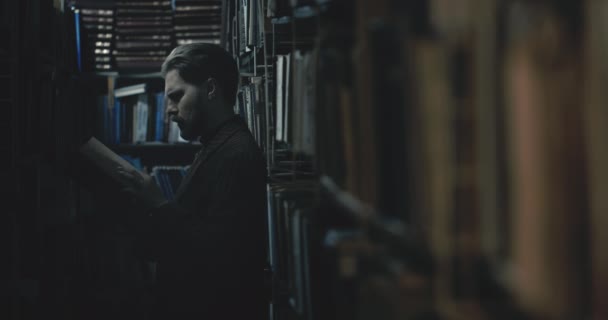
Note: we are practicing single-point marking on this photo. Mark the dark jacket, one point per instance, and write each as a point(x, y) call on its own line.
point(210, 241)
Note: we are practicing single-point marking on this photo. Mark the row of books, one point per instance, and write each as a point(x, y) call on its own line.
point(135, 119)
point(294, 114)
point(198, 21)
point(94, 38)
point(467, 129)
point(168, 178)
point(244, 27)
point(136, 36)
point(291, 243)
point(144, 34)
point(250, 107)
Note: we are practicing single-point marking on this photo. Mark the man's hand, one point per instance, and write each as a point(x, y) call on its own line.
point(143, 187)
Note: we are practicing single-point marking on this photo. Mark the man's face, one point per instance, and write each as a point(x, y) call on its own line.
point(186, 105)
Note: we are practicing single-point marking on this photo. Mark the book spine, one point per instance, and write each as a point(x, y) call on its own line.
point(159, 117)
point(167, 184)
point(117, 123)
point(78, 46)
point(106, 120)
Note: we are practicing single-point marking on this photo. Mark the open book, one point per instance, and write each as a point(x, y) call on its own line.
point(104, 160)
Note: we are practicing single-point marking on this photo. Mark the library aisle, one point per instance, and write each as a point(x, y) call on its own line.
point(426, 159)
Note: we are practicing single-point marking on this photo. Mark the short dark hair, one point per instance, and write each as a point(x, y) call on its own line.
point(196, 62)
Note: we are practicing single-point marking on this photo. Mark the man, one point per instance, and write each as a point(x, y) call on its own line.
point(210, 241)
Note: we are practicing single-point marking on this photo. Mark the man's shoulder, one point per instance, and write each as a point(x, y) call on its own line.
point(242, 140)
point(241, 145)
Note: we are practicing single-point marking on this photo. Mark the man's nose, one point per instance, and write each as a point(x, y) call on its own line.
point(171, 109)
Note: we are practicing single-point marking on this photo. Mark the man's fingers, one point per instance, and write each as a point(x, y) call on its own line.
point(132, 177)
point(122, 171)
point(125, 177)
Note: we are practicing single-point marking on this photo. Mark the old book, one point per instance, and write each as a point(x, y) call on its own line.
point(97, 12)
point(197, 27)
point(152, 37)
point(154, 53)
point(142, 44)
point(120, 12)
point(143, 23)
point(105, 161)
point(98, 20)
point(140, 4)
point(143, 31)
point(188, 41)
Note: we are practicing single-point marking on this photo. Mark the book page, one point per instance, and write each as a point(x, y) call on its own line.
point(106, 159)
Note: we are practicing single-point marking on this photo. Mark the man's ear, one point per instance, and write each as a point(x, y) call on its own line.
point(212, 88)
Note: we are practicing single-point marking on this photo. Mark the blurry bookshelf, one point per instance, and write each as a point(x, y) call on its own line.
point(411, 156)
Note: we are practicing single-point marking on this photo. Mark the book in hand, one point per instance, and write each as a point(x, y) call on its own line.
point(98, 167)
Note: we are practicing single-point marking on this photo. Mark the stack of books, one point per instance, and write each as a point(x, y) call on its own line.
point(198, 21)
point(144, 34)
point(94, 36)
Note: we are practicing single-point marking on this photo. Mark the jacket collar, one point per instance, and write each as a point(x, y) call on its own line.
point(219, 136)
point(222, 133)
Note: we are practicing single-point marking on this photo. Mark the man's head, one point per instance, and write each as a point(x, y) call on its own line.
point(201, 81)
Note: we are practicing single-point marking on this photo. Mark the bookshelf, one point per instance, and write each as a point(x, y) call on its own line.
point(251, 36)
point(419, 156)
point(68, 255)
